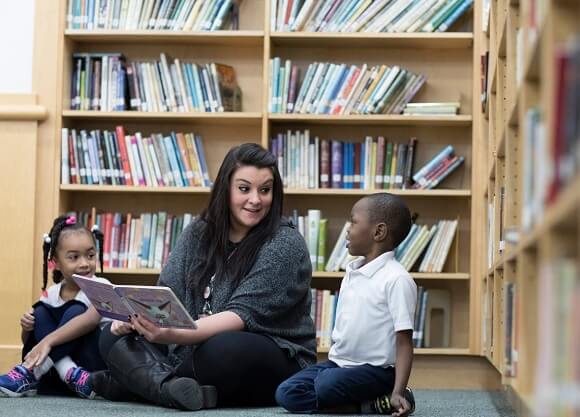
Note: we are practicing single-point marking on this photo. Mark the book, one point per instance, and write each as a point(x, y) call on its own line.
point(119, 302)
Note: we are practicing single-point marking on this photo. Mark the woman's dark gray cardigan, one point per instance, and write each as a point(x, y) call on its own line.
point(273, 299)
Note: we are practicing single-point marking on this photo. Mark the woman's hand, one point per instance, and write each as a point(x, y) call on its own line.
point(151, 332)
point(120, 328)
point(27, 321)
point(38, 353)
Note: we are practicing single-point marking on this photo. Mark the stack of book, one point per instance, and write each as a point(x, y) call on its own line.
point(535, 169)
point(437, 169)
point(323, 313)
point(329, 88)
point(366, 16)
point(430, 109)
point(105, 82)
point(133, 242)
point(187, 15)
point(103, 157)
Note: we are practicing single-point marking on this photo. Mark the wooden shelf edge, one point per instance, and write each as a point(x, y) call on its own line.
point(225, 37)
point(328, 192)
point(423, 351)
point(126, 271)
point(459, 120)
point(362, 192)
point(234, 116)
point(133, 189)
point(442, 351)
point(445, 40)
point(415, 275)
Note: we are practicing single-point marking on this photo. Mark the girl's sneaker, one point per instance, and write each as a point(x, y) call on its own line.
point(77, 379)
point(19, 382)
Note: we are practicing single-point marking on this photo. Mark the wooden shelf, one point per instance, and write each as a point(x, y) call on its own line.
point(424, 351)
point(358, 192)
point(441, 351)
point(532, 58)
point(132, 189)
point(135, 271)
point(415, 275)
point(448, 40)
point(229, 118)
point(501, 46)
point(388, 119)
point(315, 274)
point(514, 112)
point(329, 192)
point(231, 38)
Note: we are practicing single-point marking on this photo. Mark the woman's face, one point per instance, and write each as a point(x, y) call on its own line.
point(250, 199)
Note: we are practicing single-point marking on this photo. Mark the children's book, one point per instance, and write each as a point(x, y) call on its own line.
point(158, 304)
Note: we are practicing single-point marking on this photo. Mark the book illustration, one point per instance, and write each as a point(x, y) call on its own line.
point(119, 302)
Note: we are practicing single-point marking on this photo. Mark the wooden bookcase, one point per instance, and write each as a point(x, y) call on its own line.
point(447, 59)
point(522, 76)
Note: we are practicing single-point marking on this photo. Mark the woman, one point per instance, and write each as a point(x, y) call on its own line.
point(244, 272)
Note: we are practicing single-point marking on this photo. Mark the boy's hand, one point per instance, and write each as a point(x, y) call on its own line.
point(38, 354)
point(120, 328)
point(399, 405)
point(27, 321)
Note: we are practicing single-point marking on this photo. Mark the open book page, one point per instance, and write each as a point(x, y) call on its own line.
point(104, 298)
point(158, 304)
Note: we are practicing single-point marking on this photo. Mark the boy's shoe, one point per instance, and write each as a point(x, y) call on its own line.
point(19, 382)
point(77, 379)
point(382, 405)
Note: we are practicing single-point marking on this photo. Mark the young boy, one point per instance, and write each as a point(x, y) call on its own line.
point(370, 359)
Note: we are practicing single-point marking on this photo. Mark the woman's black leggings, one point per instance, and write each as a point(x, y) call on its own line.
point(246, 368)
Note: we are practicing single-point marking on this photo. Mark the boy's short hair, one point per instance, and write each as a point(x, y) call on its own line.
point(391, 210)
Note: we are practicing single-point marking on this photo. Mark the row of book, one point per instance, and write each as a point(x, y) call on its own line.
point(420, 314)
point(433, 243)
point(113, 157)
point(313, 229)
point(564, 150)
point(323, 313)
point(136, 241)
point(374, 164)
point(366, 16)
point(185, 15)
point(329, 88)
point(429, 245)
point(105, 82)
point(557, 382)
point(511, 329)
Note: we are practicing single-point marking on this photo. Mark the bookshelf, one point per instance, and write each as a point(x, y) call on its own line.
point(449, 60)
point(530, 282)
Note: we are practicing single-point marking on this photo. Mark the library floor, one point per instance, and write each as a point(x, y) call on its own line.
point(430, 403)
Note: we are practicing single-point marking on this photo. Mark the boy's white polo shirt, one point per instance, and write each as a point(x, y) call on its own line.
point(375, 301)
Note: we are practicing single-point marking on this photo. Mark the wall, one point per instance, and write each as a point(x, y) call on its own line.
point(16, 32)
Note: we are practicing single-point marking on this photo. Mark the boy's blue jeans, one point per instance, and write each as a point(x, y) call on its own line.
point(326, 385)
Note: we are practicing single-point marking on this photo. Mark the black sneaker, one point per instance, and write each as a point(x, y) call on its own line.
point(382, 405)
point(187, 394)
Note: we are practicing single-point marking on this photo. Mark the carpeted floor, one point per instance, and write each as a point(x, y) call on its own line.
point(430, 403)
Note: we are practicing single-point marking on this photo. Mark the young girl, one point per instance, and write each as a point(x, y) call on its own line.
point(61, 330)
